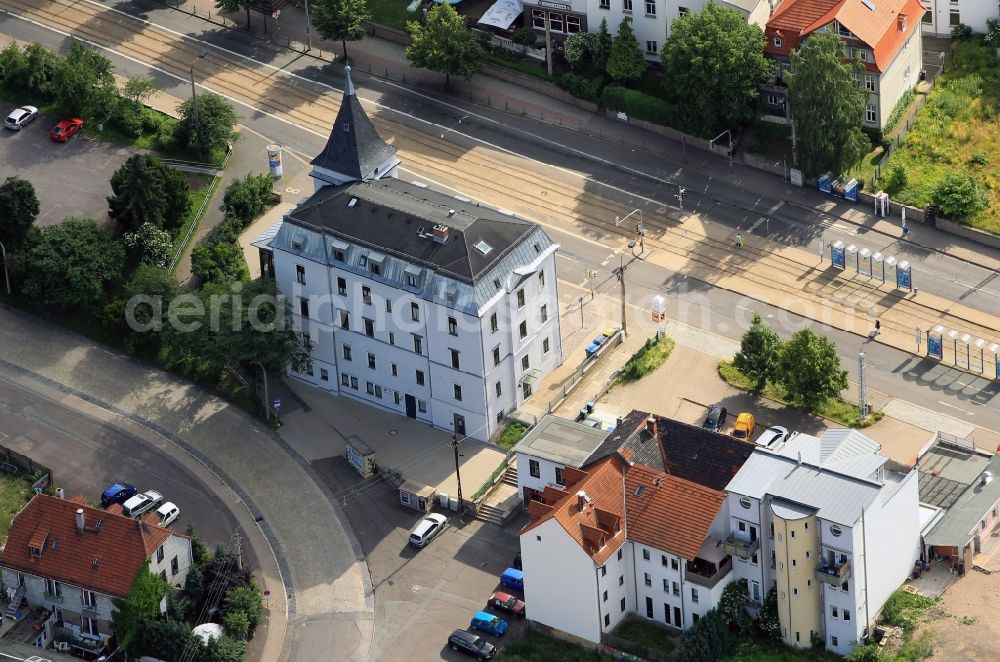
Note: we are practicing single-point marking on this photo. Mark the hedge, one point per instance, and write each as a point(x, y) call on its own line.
point(582, 87)
point(640, 106)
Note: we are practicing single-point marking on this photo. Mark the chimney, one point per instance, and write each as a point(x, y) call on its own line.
point(651, 426)
point(582, 500)
point(79, 520)
point(440, 233)
point(60, 493)
point(800, 457)
point(985, 478)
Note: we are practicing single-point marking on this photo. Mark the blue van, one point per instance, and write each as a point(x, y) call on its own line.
point(513, 578)
point(488, 623)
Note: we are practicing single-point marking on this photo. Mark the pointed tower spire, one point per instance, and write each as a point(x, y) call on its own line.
point(354, 151)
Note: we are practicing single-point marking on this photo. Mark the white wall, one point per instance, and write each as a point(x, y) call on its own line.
point(663, 598)
point(970, 12)
point(902, 74)
point(173, 547)
point(560, 582)
point(71, 604)
point(546, 471)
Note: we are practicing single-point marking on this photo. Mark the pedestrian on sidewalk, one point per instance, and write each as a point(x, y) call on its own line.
point(739, 241)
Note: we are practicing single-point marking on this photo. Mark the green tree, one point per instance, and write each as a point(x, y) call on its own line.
point(69, 265)
point(150, 244)
point(219, 262)
point(959, 196)
point(30, 69)
point(166, 640)
point(708, 639)
point(760, 349)
point(580, 49)
point(247, 198)
point(732, 606)
point(141, 605)
point(827, 106)
point(248, 600)
point(715, 64)
point(194, 584)
point(443, 44)
point(237, 624)
point(137, 89)
point(809, 369)
point(18, 211)
point(232, 6)
point(144, 190)
point(84, 84)
point(199, 554)
point(766, 621)
point(625, 62)
point(211, 129)
point(227, 649)
point(602, 51)
point(340, 20)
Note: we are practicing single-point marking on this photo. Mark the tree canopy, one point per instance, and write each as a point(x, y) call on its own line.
point(69, 265)
point(958, 196)
point(83, 82)
point(144, 190)
point(760, 349)
point(443, 44)
point(213, 128)
point(827, 106)
point(602, 51)
point(142, 604)
point(18, 211)
point(715, 62)
point(809, 368)
point(625, 61)
point(340, 20)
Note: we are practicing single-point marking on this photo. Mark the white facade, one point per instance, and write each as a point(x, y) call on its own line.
point(390, 347)
point(535, 473)
point(90, 611)
point(902, 74)
point(942, 15)
point(172, 560)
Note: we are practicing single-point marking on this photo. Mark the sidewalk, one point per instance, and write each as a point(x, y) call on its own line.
point(385, 59)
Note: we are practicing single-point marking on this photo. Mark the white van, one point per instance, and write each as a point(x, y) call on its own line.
point(141, 503)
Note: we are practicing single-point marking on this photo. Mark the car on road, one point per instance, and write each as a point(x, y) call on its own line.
point(513, 578)
point(21, 117)
point(429, 526)
point(488, 623)
point(716, 419)
point(117, 493)
point(472, 644)
point(167, 513)
point(507, 602)
point(66, 129)
point(141, 503)
point(772, 435)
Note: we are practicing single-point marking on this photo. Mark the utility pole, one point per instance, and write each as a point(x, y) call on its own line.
point(621, 279)
point(194, 97)
point(862, 387)
point(458, 476)
point(309, 43)
point(548, 44)
point(6, 275)
point(238, 544)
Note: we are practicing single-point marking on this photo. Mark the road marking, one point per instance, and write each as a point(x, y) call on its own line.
point(776, 207)
point(756, 224)
point(968, 413)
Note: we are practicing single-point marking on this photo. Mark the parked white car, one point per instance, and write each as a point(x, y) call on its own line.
point(772, 435)
point(167, 513)
point(141, 503)
point(425, 530)
point(21, 117)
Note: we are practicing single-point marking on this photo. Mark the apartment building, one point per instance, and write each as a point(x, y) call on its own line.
point(414, 301)
point(828, 523)
point(637, 530)
point(881, 34)
point(940, 16)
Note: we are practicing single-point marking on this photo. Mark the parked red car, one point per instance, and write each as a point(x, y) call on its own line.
point(507, 602)
point(66, 129)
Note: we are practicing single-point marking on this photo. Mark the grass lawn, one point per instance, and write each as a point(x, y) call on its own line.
point(753, 650)
point(959, 124)
point(836, 409)
point(653, 641)
point(14, 493)
point(650, 357)
point(392, 13)
point(511, 435)
point(538, 647)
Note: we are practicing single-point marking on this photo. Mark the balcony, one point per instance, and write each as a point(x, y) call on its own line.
point(835, 574)
point(742, 548)
point(53, 597)
point(705, 573)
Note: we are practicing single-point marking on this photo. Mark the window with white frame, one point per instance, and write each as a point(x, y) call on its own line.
point(573, 25)
point(870, 114)
point(683, 11)
point(555, 22)
point(928, 18)
point(651, 47)
point(650, 7)
point(627, 6)
point(869, 82)
point(605, 4)
point(954, 18)
point(538, 18)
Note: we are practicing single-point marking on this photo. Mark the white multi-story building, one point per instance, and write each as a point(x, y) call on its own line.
point(829, 524)
point(638, 530)
point(414, 301)
point(73, 559)
point(942, 15)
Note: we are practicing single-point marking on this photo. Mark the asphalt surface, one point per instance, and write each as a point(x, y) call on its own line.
point(86, 455)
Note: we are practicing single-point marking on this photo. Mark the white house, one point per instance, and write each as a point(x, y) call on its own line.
point(72, 559)
point(552, 445)
point(829, 524)
point(414, 301)
point(638, 530)
point(941, 16)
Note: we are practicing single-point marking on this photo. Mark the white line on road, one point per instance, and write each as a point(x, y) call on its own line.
point(968, 413)
point(776, 207)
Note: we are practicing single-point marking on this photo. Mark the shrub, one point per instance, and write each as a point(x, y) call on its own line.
point(579, 49)
point(979, 159)
point(246, 600)
point(992, 38)
point(904, 609)
point(959, 196)
point(961, 32)
point(649, 357)
point(219, 262)
point(899, 109)
point(246, 199)
point(897, 179)
point(639, 105)
point(524, 36)
point(588, 89)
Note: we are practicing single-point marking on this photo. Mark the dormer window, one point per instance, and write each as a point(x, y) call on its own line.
point(296, 245)
point(338, 256)
point(36, 552)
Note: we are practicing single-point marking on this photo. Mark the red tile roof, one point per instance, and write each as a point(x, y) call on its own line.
point(669, 513)
point(120, 545)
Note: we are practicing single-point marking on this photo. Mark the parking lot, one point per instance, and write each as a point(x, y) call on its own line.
point(423, 595)
point(71, 178)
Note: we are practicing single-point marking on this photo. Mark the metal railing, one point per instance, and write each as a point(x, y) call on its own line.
point(216, 176)
point(494, 477)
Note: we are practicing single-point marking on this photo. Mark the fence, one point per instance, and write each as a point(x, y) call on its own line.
point(573, 380)
point(494, 478)
point(900, 131)
point(204, 168)
point(16, 464)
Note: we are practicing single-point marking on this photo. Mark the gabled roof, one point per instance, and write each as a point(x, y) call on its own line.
point(354, 148)
point(119, 544)
point(602, 483)
point(667, 512)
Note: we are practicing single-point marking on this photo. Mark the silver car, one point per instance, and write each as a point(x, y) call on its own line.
point(20, 117)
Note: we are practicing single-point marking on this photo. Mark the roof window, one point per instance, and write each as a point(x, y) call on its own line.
point(483, 247)
point(639, 490)
point(353, 201)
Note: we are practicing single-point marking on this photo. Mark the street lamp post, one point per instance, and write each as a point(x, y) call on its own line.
point(711, 143)
point(6, 276)
point(458, 476)
point(640, 228)
point(194, 93)
point(309, 43)
point(620, 272)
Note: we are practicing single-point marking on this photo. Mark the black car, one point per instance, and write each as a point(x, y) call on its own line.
point(716, 419)
point(471, 643)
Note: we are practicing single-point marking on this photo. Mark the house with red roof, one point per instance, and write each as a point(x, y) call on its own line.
point(884, 35)
point(633, 531)
point(72, 559)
